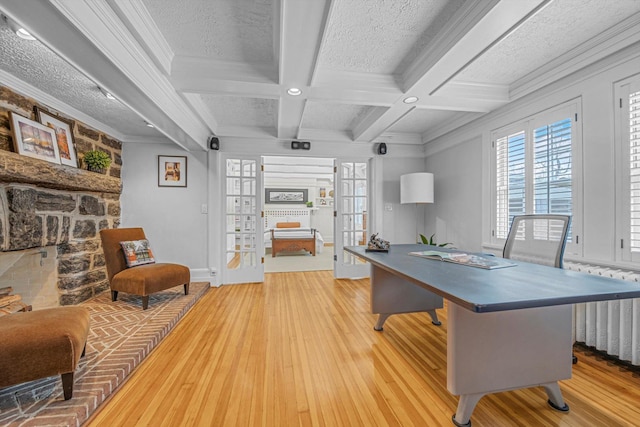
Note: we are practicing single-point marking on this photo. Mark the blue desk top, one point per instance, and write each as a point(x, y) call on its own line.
point(524, 286)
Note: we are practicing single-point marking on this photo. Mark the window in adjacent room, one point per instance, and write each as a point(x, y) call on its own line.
point(536, 165)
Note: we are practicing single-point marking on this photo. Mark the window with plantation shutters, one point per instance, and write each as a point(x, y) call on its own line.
point(510, 180)
point(552, 185)
point(634, 170)
point(535, 169)
point(628, 169)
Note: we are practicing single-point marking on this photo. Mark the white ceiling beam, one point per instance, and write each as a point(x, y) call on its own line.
point(302, 29)
point(483, 27)
point(106, 53)
point(139, 21)
point(475, 28)
point(186, 69)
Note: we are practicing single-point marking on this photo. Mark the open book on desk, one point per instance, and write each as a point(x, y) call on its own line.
point(487, 262)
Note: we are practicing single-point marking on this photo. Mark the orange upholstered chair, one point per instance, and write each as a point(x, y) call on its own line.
point(143, 279)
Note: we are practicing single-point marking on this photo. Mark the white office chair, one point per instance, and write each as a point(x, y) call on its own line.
point(539, 239)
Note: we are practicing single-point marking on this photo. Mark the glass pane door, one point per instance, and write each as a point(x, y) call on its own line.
point(242, 248)
point(351, 219)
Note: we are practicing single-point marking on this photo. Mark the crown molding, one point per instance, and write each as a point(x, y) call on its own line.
point(202, 110)
point(109, 55)
point(449, 126)
point(26, 89)
point(604, 44)
point(141, 24)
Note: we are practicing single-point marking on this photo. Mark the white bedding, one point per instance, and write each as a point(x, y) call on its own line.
point(293, 233)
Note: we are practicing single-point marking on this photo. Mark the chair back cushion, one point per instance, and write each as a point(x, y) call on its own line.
point(538, 238)
point(113, 254)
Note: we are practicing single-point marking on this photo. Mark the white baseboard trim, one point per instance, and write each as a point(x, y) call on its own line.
point(202, 275)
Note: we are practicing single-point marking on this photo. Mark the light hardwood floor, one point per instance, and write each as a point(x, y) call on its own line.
point(300, 350)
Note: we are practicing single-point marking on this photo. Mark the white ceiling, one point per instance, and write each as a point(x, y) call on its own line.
point(195, 68)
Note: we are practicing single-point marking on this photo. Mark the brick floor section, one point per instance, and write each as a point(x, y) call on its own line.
point(121, 335)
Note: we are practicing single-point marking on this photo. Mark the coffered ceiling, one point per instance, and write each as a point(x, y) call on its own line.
point(194, 68)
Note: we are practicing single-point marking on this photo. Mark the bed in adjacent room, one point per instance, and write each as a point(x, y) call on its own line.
point(288, 230)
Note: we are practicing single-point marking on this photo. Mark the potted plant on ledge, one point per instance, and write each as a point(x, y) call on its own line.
point(97, 161)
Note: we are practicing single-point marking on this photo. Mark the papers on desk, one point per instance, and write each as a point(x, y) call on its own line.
point(481, 261)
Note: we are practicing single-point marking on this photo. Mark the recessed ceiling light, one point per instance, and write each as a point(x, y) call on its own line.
point(24, 34)
point(20, 32)
point(410, 99)
point(107, 94)
point(294, 91)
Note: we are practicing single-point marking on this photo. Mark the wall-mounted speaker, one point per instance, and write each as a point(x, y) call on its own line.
point(382, 148)
point(306, 145)
point(214, 143)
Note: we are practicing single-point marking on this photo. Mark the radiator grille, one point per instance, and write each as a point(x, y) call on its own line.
point(609, 326)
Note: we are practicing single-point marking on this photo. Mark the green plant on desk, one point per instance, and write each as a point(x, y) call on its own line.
point(432, 241)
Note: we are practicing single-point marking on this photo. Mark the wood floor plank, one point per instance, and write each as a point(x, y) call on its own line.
point(300, 350)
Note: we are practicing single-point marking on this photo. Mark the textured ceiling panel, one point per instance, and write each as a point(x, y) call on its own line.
point(339, 117)
point(382, 36)
point(38, 66)
point(236, 111)
point(419, 121)
point(558, 28)
point(229, 30)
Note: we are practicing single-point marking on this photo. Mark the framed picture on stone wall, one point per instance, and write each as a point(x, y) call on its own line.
point(34, 139)
point(172, 171)
point(64, 135)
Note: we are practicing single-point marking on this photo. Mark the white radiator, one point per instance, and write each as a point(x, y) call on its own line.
point(609, 326)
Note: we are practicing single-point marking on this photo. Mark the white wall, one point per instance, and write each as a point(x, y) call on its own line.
point(399, 223)
point(460, 158)
point(171, 216)
point(456, 214)
point(179, 232)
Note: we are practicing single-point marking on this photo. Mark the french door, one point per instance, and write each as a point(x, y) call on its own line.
point(351, 216)
point(243, 229)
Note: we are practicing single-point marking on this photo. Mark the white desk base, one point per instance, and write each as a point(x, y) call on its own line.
point(391, 294)
point(486, 352)
point(507, 350)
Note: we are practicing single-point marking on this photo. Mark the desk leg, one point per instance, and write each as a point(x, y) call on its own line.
point(507, 350)
point(391, 294)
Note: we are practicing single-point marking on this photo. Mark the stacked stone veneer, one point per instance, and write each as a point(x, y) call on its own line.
point(48, 205)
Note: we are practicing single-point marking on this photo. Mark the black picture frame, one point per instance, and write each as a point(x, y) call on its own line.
point(290, 196)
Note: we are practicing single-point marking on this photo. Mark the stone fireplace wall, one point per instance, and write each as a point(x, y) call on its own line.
point(50, 208)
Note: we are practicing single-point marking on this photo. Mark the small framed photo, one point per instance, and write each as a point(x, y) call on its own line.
point(172, 171)
point(64, 135)
point(34, 139)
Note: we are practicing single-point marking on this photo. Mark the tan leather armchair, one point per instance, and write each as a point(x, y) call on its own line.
point(142, 279)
